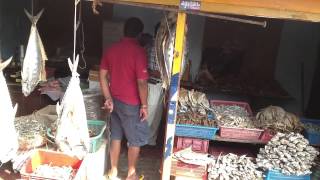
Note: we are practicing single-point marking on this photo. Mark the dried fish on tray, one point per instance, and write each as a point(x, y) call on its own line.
point(277, 119)
point(313, 128)
point(54, 172)
point(289, 153)
point(235, 167)
point(31, 130)
point(194, 108)
point(232, 116)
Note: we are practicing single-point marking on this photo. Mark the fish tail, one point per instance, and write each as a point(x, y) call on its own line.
point(5, 64)
point(34, 19)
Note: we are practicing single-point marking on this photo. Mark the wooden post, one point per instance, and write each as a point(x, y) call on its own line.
point(173, 95)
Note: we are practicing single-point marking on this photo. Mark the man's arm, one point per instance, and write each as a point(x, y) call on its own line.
point(143, 94)
point(103, 77)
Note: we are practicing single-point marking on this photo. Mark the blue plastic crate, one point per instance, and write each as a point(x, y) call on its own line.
point(276, 175)
point(313, 137)
point(202, 132)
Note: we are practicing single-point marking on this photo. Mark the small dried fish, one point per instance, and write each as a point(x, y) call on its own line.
point(231, 166)
point(232, 116)
point(188, 156)
point(277, 119)
point(53, 172)
point(312, 127)
point(32, 132)
point(288, 153)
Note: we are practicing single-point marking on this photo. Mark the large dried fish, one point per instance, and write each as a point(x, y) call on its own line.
point(164, 45)
point(289, 153)
point(235, 167)
point(277, 119)
point(33, 69)
point(72, 135)
point(8, 134)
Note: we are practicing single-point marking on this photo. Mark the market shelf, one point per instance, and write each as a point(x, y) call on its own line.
point(219, 138)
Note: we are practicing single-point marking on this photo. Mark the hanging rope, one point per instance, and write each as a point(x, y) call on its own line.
point(76, 27)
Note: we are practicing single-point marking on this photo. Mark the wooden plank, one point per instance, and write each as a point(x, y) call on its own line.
point(173, 95)
point(305, 10)
point(283, 10)
point(310, 6)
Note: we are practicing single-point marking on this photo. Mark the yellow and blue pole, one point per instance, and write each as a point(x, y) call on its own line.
point(173, 95)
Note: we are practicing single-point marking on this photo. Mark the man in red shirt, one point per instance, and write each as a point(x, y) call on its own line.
point(123, 80)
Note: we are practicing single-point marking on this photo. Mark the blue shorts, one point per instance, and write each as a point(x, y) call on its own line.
point(125, 121)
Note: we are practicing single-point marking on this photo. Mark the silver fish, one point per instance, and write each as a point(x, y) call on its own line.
point(8, 134)
point(72, 135)
point(33, 70)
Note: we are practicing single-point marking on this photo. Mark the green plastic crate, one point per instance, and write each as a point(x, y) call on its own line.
point(95, 142)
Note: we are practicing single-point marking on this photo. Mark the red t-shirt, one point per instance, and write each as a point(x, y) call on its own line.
point(126, 62)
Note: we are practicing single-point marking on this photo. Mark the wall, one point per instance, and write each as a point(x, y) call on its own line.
point(299, 45)
point(14, 26)
point(150, 17)
point(196, 29)
point(260, 45)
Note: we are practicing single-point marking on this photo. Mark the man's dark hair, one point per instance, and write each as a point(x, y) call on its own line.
point(133, 27)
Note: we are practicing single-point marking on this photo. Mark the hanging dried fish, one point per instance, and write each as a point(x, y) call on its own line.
point(232, 116)
point(164, 46)
point(8, 133)
point(277, 119)
point(235, 167)
point(289, 153)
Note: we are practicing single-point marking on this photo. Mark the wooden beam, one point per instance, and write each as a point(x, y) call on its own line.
point(305, 10)
point(173, 95)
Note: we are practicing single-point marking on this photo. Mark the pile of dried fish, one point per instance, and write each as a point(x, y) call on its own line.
point(53, 172)
point(313, 128)
point(232, 116)
point(32, 131)
point(288, 153)
point(194, 119)
point(194, 108)
point(277, 119)
point(231, 166)
point(194, 101)
point(190, 157)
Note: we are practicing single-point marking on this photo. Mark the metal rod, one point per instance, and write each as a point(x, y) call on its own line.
point(228, 18)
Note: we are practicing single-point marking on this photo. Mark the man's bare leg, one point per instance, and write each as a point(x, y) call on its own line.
point(133, 155)
point(114, 157)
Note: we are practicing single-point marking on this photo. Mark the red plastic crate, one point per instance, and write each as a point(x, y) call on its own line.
point(182, 169)
point(197, 145)
point(241, 133)
point(232, 103)
point(266, 136)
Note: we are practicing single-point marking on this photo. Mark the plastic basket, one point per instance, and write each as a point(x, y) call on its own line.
point(96, 141)
point(197, 145)
point(276, 175)
point(181, 169)
point(202, 132)
point(41, 157)
point(313, 137)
